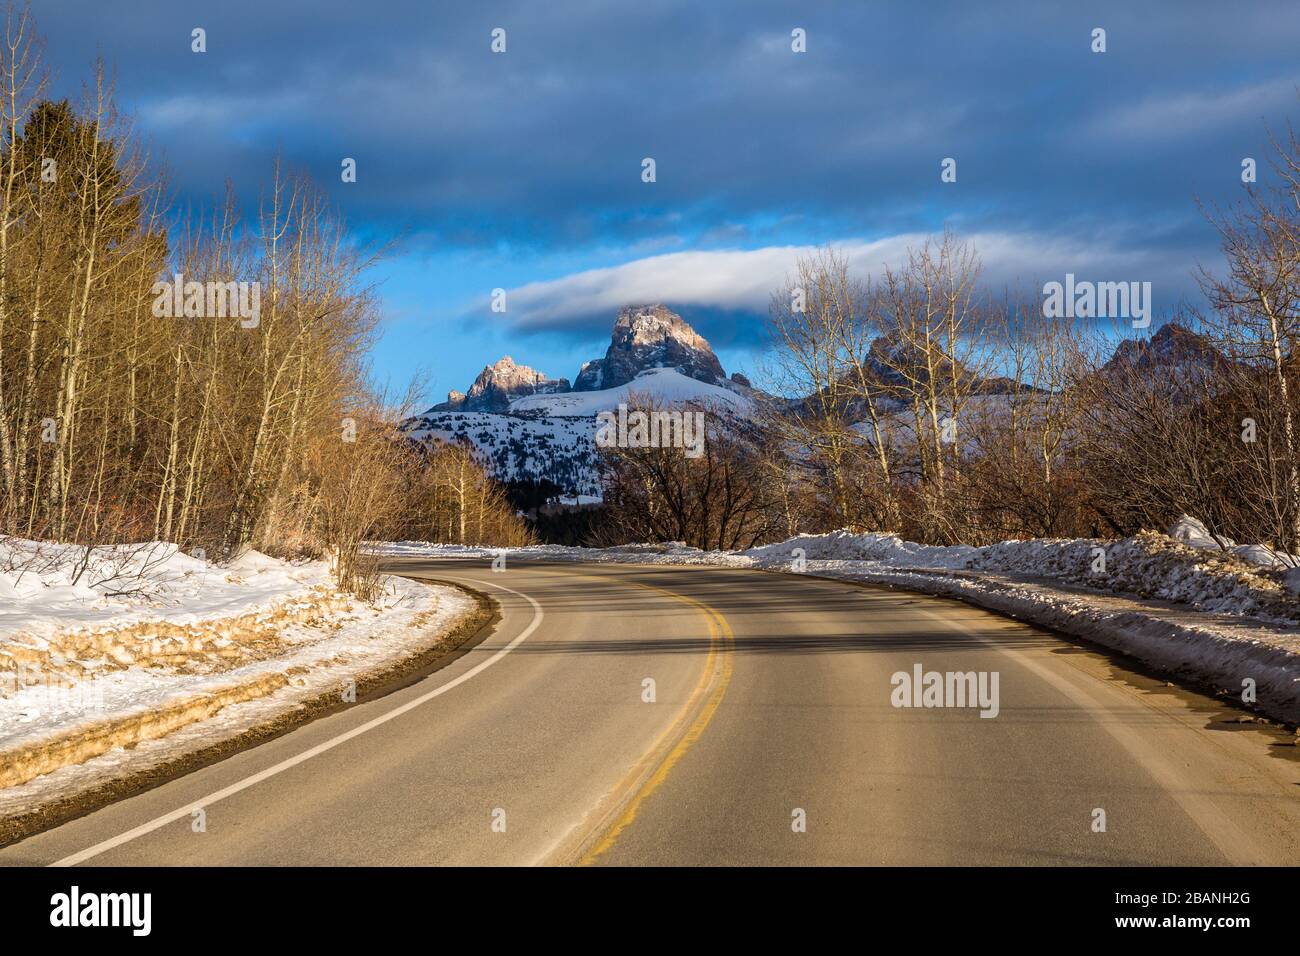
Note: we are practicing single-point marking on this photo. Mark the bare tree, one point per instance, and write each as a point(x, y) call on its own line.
point(1255, 318)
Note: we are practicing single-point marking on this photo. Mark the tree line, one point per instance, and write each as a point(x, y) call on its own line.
point(228, 422)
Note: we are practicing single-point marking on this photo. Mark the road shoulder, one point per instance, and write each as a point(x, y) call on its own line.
point(39, 805)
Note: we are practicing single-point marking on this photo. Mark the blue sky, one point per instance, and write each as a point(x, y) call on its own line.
point(522, 170)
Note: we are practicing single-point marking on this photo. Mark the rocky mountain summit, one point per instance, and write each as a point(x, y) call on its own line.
point(528, 427)
point(500, 384)
point(1172, 346)
point(645, 337)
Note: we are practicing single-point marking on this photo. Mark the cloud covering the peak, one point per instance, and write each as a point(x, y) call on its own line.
point(743, 280)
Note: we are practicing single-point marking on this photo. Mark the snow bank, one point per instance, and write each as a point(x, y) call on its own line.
point(1193, 533)
point(881, 548)
point(1149, 565)
point(47, 588)
point(125, 646)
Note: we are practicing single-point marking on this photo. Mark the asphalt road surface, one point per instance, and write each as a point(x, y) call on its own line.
point(767, 736)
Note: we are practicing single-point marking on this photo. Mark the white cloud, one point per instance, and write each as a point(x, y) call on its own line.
point(746, 279)
point(167, 113)
point(1178, 113)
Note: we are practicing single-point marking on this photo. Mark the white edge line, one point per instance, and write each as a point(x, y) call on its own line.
point(330, 744)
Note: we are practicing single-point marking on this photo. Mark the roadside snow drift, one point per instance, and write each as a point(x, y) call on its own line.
point(122, 646)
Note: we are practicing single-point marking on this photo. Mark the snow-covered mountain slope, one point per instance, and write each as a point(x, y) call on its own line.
point(514, 447)
point(657, 386)
point(553, 436)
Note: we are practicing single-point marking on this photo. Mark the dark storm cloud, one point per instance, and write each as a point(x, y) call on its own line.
point(1066, 159)
point(543, 144)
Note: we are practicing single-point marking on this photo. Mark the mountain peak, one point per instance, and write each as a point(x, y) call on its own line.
point(1172, 344)
point(645, 337)
point(500, 384)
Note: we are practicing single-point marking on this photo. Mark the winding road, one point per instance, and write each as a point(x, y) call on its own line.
point(692, 716)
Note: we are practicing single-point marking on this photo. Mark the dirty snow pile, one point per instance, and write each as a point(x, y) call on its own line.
point(144, 652)
point(1186, 603)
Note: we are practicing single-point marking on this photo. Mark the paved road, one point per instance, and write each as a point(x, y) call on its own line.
point(771, 739)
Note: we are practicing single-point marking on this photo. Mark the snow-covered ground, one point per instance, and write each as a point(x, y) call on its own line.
point(47, 588)
point(1220, 616)
point(117, 661)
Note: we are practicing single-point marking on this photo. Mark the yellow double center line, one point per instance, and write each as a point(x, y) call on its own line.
point(653, 768)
